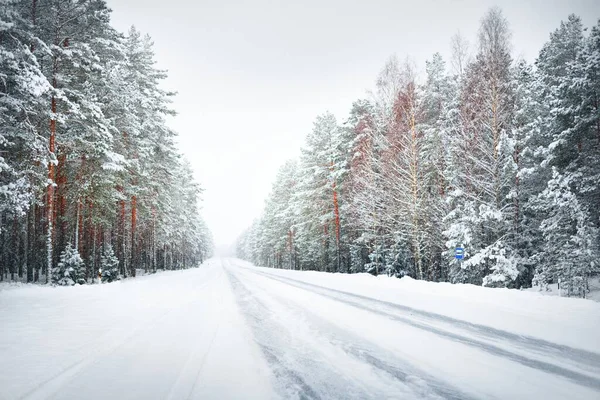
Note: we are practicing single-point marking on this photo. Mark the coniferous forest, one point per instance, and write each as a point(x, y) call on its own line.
point(482, 151)
point(90, 175)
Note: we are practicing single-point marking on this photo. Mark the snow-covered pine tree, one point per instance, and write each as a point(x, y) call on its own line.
point(438, 93)
point(109, 264)
point(24, 94)
point(505, 160)
point(362, 199)
point(280, 219)
point(384, 253)
point(481, 212)
point(322, 168)
point(530, 177)
point(406, 212)
point(567, 207)
point(86, 155)
point(569, 251)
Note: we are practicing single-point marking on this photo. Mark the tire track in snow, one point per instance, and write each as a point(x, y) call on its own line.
point(208, 350)
point(261, 327)
point(312, 367)
point(419, 381)
point(563, 351)
point(537, 345)
point(176, 388)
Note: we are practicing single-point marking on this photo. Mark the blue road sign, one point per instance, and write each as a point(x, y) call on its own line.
point(459, 253)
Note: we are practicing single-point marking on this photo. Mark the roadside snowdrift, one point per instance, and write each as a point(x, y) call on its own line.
point(569, 321)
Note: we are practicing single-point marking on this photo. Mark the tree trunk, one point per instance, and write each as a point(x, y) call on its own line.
point(37, 240)
point(50, 192)
point(133, 234)
point(92, 262)
point(153, 239)
point(3, 248)
point(33, 21)
point(89, 233)
point(16, 262)
point(336, 213)
point(60, 235)
point(78, 224)
point(27, 244)
point(121, 234)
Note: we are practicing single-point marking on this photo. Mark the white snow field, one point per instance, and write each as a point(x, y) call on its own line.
point(228, 330)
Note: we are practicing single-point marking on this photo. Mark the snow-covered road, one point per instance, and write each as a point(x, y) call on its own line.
point(229, 330)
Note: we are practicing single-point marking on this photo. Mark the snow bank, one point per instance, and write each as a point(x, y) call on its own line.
point(168, 336)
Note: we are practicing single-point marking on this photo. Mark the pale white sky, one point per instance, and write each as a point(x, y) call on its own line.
point(251, 76)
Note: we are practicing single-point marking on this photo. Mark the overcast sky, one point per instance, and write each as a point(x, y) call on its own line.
point(251, 76)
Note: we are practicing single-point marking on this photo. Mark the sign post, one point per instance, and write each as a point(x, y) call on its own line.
point(459, 254)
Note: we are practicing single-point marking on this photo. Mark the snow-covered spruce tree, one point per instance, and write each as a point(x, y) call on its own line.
point(109, 264)
point(568, 206)
point(70, 269)
point(531, 176)
point(568, 253)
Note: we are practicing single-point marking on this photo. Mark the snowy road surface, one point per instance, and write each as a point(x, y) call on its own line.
point(231, 331)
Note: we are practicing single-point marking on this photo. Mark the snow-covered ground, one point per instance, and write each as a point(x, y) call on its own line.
point(552, 290)
point(231, 330)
